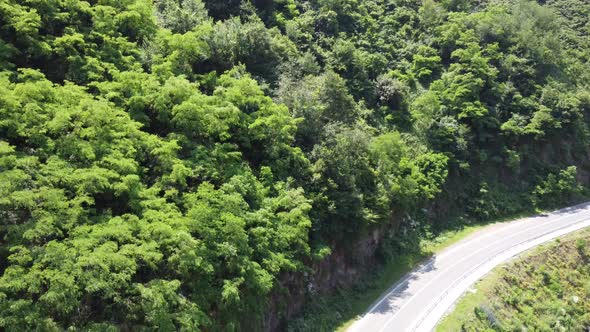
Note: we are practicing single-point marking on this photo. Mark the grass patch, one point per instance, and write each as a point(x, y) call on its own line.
point(435, 243)
point(546, 289)
point(471, 300)
point(447, 238)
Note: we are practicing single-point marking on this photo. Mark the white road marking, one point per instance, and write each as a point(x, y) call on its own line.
point(431, 311)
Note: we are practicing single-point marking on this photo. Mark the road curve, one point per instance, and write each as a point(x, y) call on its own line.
point(421, 298)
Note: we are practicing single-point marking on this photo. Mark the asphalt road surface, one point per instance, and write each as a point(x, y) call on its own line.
point(422, 297)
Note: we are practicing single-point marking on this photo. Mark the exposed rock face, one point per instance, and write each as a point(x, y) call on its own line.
point(340, 269)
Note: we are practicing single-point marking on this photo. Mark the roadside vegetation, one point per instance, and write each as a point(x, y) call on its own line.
point(168, 164)
point(337, 312)
point(545, 290)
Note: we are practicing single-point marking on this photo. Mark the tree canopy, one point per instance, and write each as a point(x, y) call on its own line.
point(164, 164)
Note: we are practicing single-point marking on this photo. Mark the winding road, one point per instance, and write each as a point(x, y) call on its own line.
point(422, 297)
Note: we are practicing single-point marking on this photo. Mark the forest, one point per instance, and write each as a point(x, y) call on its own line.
point(164, 164)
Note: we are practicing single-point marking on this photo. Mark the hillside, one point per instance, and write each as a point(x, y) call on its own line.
point(214, 164)
point(546, 290)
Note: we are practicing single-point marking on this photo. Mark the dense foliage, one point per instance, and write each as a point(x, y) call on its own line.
point(164, 163)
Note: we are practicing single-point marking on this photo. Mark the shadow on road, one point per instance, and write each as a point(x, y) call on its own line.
point(387, 303)
point(571, 209)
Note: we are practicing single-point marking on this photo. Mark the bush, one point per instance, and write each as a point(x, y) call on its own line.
point(557, 189)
